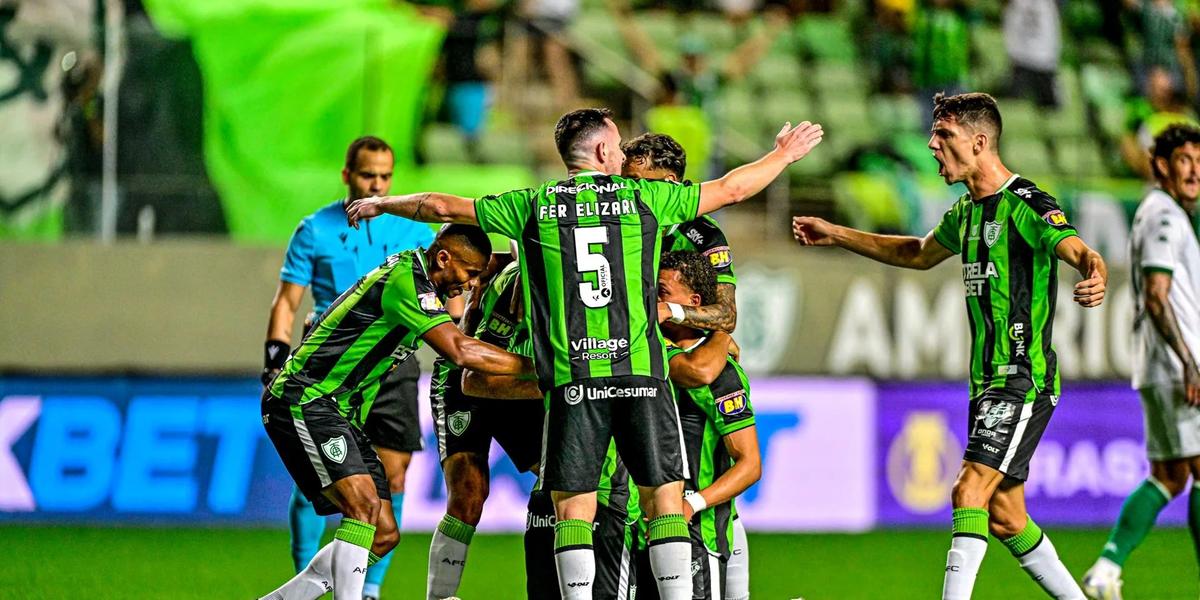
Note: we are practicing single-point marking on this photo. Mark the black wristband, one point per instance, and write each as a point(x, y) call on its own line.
point(275, 353)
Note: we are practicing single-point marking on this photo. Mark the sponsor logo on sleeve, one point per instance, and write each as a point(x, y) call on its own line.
point(430, 303)
point(720, 257)
point(1056, 218)
point(732, 404)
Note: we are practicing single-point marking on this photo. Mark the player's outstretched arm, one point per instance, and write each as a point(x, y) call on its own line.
point(742, 446)
point(1158, 306)
point(702, 365)
point(905, 251)
point(428, 207)
point(791, 145)
point(1089, 263)
point(499, 387)
point(470, 353)
point(721, 315)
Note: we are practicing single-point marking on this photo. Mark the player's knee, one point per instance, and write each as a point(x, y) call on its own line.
point(396, 482)
point(361, 507)
point(966, 494)
point(1175, 481)
point(466, 504)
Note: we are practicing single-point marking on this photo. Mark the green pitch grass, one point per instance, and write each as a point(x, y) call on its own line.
point(98, 563)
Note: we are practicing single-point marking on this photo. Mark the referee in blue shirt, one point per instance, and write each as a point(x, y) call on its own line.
point(329, 255)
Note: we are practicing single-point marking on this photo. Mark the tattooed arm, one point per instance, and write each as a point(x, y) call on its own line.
point(721, 316)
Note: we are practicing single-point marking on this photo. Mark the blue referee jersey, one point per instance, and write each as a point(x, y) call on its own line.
point(329, 255)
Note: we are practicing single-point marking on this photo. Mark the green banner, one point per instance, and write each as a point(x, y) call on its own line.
point(288, 85)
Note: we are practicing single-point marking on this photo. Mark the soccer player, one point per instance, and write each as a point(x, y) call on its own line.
point(314, 409)
point(659, 156)
point(329, 255)
point(1165, 257)
point(1010, 235)
point(718, 424)
point(589, 251)
point(466, 424)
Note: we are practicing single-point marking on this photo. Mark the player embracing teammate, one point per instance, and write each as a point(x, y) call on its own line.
point(589, 254)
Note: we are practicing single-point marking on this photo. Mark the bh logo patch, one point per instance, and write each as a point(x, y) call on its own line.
point(732, 404)
point(458, 422)
point(719, 257)
point(335, 449)
point(1055, 218)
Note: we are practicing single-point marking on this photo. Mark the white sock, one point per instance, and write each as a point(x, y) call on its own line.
point(349, 569)
point(737, 571)
point(962, 565)
point(313, 582)
point(576, 573)
point(671, 563)
point(1043, 565)
point(447, 559)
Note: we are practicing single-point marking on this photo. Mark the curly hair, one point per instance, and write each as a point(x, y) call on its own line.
point(695, 271)
point(1171, 139)
point(661, 151)
point(974, 110)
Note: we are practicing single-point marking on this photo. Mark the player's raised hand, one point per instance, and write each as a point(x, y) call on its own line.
point(363, 209)
point(796, 142)
point(1090, 291)
point(812, 231)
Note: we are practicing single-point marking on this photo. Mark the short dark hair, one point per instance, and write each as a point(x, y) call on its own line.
point(1171, 139)
point(468, 235)
point(695, 271)
point(974, 109)
point(658, 149)
point(578, 125)
point(366, 142)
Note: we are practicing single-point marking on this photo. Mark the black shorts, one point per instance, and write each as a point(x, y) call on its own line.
point(541, 573)
point(468, 424)
point(1004, 428)
point(319, 446)
point(613, 542)
point(392, 422)
point(637, 412)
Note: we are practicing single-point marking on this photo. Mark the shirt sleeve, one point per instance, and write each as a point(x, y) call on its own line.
point(730, 410)
point(947, 231)
point(1158, 245)
point(410, 300)
point(300, 257)
point(670, 202)
point(506, 213)
point(715, 247)
point(1040, 221)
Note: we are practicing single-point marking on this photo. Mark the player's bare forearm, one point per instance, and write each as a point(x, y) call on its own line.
point(702, 365)
point(428, 207)
point(499, 387)
point(909, 252)
point(1089, 292)
point(745, 472)
point(469, 353)
point(1158, 307)
point(742, 182)
point(720, 316)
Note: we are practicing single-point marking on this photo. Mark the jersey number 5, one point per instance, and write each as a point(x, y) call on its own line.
point(596, 295)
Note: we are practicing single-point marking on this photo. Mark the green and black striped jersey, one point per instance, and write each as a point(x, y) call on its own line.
point(589, 254)
point(366, 331)
point(497, 321)
point(707, 414)
point(1010, 271)
point(703, 235)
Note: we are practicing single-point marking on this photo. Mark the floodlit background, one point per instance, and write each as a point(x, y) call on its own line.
point(155, 155)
